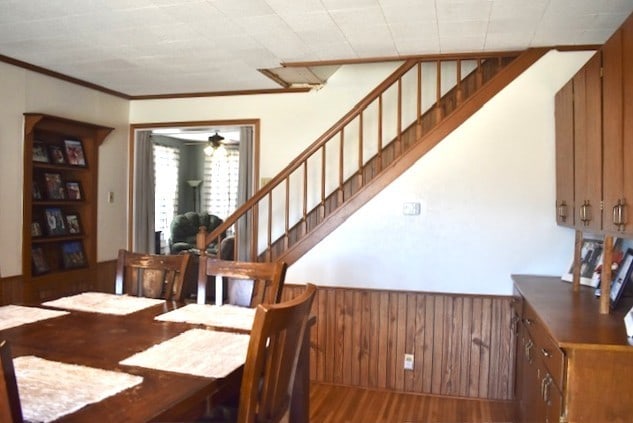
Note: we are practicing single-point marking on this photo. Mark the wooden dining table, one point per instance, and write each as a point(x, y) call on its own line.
point(103, 340)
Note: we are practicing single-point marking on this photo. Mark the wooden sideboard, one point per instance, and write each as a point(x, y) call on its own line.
point(574, 364)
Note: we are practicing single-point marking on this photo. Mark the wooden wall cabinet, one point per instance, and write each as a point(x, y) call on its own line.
point(588, 145)
point(573, 364)
point(59, 248)
point(564, 116)
point(617, 64)
point(596, 138)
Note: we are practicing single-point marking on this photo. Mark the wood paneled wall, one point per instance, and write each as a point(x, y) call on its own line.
point(463, 344)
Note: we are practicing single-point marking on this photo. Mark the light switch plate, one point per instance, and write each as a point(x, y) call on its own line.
point(411, 208)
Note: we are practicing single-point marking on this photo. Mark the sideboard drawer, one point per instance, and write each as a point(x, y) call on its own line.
point(547, 350)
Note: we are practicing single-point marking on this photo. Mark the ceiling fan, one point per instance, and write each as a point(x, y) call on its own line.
point(215, 141)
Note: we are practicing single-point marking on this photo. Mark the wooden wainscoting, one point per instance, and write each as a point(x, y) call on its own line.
point(463, 344)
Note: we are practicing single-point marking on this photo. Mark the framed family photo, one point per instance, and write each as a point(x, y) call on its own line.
point(55, 225)
point(36, 229)
point(73, 190)
point(75, 152)
point(56, 154)
point(73, 224)
point(37, 192)
point(73, 255)
point(590, 258)
point(39, 152)
point(621, 279)
point(55, 189)
point(38, 260)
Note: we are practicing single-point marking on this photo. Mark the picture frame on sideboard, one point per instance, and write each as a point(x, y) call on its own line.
point(591, 253)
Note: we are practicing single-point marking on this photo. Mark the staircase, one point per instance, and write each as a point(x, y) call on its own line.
point(383, 135)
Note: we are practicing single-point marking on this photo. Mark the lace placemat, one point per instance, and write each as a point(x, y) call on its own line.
point(50, 389)
point(15, 315)
point(101, 302)
point(224, 316)
point(197, 352)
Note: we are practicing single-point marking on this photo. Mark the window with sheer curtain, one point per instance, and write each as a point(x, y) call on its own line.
point(221, 175)
point(166, 163)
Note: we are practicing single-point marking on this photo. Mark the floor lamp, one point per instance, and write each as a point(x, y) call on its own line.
point(195, 183)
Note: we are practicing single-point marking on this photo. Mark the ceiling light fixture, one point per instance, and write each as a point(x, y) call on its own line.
point(215, 142)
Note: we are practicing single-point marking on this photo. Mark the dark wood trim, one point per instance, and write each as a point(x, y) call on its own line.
point(61, 76)
point(220, 93)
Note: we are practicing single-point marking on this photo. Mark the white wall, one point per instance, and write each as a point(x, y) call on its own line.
point(24, 91)
point(487, 195)
point(487, 191)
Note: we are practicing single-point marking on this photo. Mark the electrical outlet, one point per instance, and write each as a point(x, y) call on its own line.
point(408, 361)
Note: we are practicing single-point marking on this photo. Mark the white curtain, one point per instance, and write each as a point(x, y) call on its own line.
point(144, 232)
point(166, 169)
point(221, 178)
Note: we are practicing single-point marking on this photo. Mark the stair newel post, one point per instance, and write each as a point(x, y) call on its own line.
point(605, 276)
point(576, 267)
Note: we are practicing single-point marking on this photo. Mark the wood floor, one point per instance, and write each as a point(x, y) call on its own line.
point(341, 404)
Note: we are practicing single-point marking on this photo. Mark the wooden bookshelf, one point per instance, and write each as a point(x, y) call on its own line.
point(59, 248)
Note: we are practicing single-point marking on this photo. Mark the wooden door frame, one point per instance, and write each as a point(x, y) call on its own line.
point(254, 123)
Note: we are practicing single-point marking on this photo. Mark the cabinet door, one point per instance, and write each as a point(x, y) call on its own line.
point(564, 102)
point(588, 145)
point(618, 129)
point(613, 147)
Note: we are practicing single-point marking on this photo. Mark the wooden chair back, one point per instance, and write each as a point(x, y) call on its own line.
point(10, 407)
point(268, 278)
point(150, 275)
point(271, 360)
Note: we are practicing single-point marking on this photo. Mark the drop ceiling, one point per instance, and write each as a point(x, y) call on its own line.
point(165, 47)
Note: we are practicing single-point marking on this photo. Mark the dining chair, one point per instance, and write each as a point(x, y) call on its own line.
point(268, 278)
point(151, 275)
point(10, 407)
point(272, 357)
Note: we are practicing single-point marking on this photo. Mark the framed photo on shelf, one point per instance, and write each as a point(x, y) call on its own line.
point(73, 190)
point(36, 229)
point(590, 258)
point(621, 279)
point(73, 224)
point(37, 192)
point(39, 261)
point(55, 225)
point(39, 152)
point(56, 154)
point(75, 152)
point(54, 187)
point(73, 255)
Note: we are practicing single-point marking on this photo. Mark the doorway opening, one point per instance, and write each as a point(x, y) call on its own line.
point(183, 167)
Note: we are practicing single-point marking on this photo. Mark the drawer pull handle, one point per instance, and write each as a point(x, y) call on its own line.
point(528, 350)
point(545, 352)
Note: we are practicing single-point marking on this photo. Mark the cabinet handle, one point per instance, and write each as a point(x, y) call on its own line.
point(585, 213)
point(528, 350)
point(513, 324)
point(545, 388)
point(618, 215)
point(545, 353)
point(528, 321)
point(562, 211)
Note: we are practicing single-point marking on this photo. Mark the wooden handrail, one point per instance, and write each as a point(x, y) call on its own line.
point(482, 71)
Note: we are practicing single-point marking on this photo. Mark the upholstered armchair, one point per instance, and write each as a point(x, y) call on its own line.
point(184, 228)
